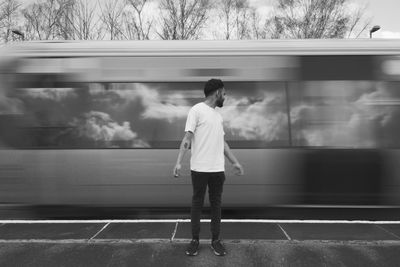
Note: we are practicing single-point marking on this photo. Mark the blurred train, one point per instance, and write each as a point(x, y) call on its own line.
point(98, 124)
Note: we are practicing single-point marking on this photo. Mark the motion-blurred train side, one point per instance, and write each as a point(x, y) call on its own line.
point(313, 122)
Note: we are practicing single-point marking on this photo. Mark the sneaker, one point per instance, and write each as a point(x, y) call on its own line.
point(218, 248)
point(192, 248)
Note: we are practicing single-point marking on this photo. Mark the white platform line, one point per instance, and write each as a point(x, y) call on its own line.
point(173, 234)
point(185, 241)
point(204, 220)
point(319, 221)
point(85, 241)
point(92, 221)
point(50, 241)
point(339, 206)
point(104, 227)
point(283, 230)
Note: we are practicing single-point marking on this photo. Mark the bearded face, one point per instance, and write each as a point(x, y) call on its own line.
point(220, 98)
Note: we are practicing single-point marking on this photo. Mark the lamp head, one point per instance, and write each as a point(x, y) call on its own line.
point(375, 28)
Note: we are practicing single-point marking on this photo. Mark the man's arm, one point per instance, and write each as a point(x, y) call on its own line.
point(185, 146)
point(229, 155)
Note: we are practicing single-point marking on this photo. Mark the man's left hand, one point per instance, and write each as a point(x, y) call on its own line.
point(238, 168)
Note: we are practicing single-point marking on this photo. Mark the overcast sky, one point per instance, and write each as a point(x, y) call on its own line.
point(384, 13)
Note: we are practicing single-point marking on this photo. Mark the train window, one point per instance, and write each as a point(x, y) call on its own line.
point(349, 114)
point(255, 115)
point(145, 115)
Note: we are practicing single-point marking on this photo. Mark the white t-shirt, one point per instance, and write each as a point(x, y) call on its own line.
point(208, 139)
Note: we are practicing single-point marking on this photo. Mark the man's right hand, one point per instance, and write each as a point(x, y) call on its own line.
point(177, 169)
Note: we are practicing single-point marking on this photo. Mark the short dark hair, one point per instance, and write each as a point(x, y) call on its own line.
point(212, 85)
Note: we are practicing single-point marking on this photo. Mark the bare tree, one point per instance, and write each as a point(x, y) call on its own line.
point(111, 16)
point(183, 19)
point(226, 8)
point(242, 17)
point(137, 24)
point(8, 18)
point(42, 19)
point(79, 21)
point(358, 23)
point(236, 18)
point(256, 28)
point(312, 19)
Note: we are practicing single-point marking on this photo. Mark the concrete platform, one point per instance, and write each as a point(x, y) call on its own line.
point(49, 231)
point(163, 244)
point(165, 253)
point(253, 231)
point(137, 231)
point(343, 232)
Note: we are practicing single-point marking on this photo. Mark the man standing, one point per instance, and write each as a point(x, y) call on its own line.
point(204, 135)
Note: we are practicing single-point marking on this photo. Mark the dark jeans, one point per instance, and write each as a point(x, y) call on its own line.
point(215, 182)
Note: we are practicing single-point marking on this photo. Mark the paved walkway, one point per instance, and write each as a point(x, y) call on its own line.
point(162, 243)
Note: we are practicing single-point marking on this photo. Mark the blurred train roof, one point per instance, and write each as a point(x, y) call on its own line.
point(212, 47)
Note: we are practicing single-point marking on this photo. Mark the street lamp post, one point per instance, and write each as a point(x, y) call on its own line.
point(374, 29)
